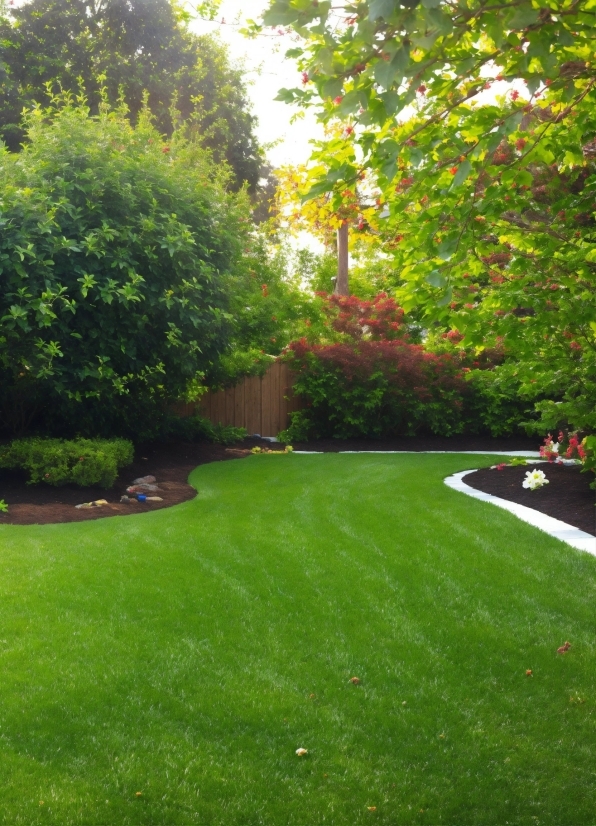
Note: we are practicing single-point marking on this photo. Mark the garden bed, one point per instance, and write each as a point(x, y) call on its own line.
point(171, 464)
point(567, 497)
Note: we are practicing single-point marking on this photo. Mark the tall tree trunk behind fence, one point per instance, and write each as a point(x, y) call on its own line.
point(342, 282)
point(260, 404)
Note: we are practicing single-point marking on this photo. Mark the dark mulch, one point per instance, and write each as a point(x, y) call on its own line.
point(171, 464)
point(567, 496)
point(422, 443)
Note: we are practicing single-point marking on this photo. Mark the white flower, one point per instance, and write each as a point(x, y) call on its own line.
point(534, 479)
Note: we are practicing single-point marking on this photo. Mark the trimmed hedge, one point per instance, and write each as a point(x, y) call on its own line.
point(83, 462)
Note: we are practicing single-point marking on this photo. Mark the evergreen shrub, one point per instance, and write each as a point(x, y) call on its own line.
point(83, 462)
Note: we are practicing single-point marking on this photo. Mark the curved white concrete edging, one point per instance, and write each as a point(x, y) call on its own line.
point(560, 530)
point(530, 454)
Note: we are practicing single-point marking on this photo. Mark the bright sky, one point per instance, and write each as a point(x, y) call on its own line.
point(266, 72)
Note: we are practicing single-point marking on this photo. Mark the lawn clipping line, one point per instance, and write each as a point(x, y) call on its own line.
point(554, 527)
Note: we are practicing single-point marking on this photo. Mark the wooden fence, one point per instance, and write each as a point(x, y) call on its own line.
point(261, 405)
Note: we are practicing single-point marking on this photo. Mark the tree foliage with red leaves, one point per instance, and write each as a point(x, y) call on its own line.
point(373, 381)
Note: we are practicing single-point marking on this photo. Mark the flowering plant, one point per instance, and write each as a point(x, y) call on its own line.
point(550, 450)
point(534, 479)
point(568, 450)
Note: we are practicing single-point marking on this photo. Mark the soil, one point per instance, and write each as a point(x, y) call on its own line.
point(422, 443)
point(567, 497)
point(171, 465)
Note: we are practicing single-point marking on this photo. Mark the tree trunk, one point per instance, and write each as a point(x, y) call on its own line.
point(342, 284)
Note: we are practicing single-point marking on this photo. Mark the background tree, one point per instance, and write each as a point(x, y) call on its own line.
point(270, 305)
point(127, 48)
point(304, 204)
point(475, 122)
point(114, 250)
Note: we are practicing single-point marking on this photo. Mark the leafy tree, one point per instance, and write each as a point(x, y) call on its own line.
point(269, 306)
point(475, 121)
point(114, 250)
point(124, 49)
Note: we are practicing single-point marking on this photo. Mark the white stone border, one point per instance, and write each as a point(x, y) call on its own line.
point(560, 530)
point(529, 454)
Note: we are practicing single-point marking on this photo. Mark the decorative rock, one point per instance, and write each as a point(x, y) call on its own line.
point(144, 488)
point(97, 504)
point(145, 480)
point(125, 500)
point(154, 499)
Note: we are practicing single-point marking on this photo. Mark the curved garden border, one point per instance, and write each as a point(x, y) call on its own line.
point(555, 527)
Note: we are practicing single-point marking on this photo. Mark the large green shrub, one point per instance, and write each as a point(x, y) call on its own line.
point(83, 462)
point(114, 250)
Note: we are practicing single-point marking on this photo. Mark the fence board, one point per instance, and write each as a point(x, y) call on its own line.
point(230, 405)
point(253, 404)
point(258, 404)
point(239, 394)
point(276, 418)
point(266, 424)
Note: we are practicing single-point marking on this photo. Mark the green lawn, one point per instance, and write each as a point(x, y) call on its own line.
point(186, 654)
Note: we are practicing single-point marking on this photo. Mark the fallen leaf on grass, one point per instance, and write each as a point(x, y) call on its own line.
point(301, 752)
point(529, 673)
point(372, 808)
point(355, 680)
point(138, 794)
point(564, 648)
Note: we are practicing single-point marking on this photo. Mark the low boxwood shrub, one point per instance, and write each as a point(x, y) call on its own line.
point(83, 462)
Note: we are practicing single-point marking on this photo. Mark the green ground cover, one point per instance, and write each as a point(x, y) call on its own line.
point(186, 654)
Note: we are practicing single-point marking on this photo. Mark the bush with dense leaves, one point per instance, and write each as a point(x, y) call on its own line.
point(363, 377)
point(196, 429)
point(376, 388)
point(83, 462)
point(115, 247)
point(359, 375)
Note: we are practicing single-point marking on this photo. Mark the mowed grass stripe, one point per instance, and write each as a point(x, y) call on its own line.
point(186, 654)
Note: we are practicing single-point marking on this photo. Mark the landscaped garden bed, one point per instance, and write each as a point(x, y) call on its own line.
point(567, 497)
point(171, 465)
